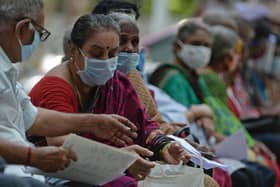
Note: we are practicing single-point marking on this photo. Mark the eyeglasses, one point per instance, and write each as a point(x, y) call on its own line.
point(44, 33)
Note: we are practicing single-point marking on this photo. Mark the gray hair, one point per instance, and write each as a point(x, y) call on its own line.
point(122, 18)
point(217, 18)
point(88, 24)
point(224, 40)
point(190, 27)
point(17, 9)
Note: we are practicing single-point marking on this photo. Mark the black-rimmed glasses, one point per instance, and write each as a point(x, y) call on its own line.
point(44, 33)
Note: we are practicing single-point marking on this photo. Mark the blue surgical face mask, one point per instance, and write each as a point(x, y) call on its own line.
point(97, 72)
point(127, 62)
point(141, 62)
point(28, 50)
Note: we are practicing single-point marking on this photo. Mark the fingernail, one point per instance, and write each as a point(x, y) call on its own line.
point(151, 153)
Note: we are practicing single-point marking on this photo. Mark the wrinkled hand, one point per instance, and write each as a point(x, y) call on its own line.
point(260, 147)
point(208, 125)
point(117, 129)
point(141, 167)
point(204, 150)
point(202, 110)
point(173, 153)
point(51, 159)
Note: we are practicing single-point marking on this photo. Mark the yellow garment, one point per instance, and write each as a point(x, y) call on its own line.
point(253, 157)
point(151, 109)
point(210, 182)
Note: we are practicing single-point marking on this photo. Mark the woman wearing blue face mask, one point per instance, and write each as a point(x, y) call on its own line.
point(89, 82)
point(128, 59)
point(127, 64)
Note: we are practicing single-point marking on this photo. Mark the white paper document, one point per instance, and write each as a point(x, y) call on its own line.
point(97, 163)
point(233, 165)
point(234, 147)
point(198, 159)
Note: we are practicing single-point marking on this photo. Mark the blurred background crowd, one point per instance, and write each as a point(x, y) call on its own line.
point(221, 55)
point(158, 24)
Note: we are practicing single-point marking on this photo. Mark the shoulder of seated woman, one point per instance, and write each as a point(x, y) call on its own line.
point(60, 71)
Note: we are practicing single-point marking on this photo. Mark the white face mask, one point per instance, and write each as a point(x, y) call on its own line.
point(194, 57)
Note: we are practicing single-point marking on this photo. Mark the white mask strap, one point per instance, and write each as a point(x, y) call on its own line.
point(180, 43)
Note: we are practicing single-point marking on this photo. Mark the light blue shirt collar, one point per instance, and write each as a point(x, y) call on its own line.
point(5, 63)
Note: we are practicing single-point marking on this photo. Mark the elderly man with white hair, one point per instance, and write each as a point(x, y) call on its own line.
point(21, 31)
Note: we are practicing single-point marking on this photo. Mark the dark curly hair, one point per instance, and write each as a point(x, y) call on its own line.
point(107, 6)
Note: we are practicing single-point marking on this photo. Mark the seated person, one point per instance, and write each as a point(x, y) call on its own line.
point(258, 69)
point(182, 82)
point(88, 83)
point(21, 32)
point(224, 42)
point(127, 60)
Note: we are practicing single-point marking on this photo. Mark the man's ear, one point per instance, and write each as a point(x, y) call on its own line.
point(21, 28)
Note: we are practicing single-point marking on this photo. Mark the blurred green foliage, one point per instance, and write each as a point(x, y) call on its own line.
point(176, 7)
point(182, 7)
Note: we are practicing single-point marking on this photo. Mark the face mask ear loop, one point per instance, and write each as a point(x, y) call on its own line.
point(85, 61)
point(29, 26)
point(18, 39)
point(78, 68)
point(82, 53)
point(180, 43)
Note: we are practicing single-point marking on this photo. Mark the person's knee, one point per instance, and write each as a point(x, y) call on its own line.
point(240, 178)
point(262, 175)
point(33, 183)
point(270, 177)
point(7, 180)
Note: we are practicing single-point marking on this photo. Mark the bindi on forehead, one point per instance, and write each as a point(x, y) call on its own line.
point(103, 40)
point(103, 47)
